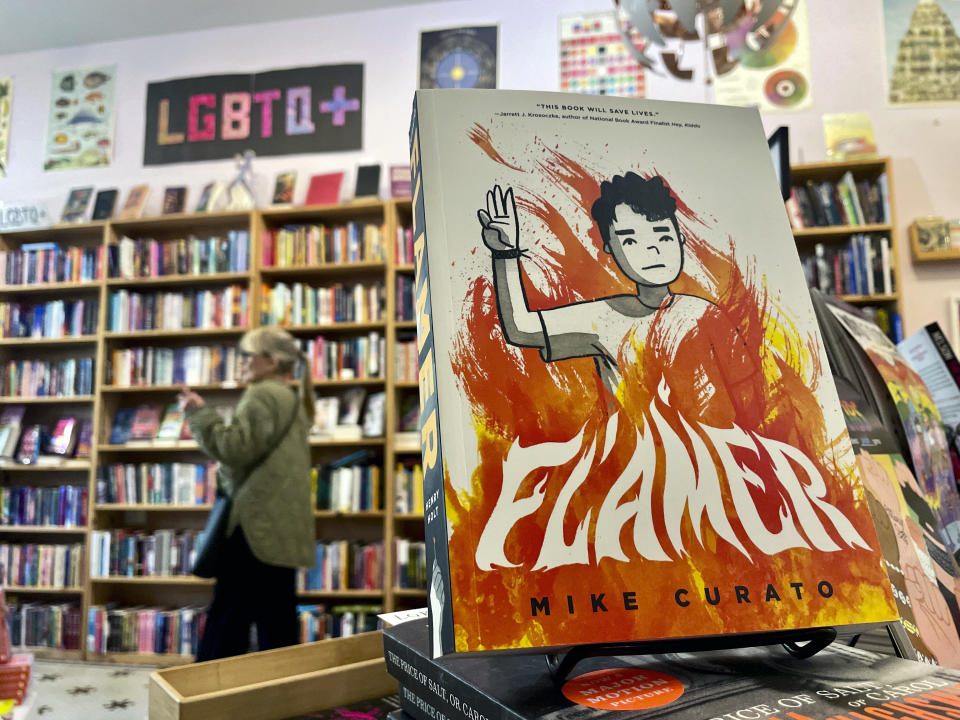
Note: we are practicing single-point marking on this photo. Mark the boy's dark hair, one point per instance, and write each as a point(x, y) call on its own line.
point(648, 197)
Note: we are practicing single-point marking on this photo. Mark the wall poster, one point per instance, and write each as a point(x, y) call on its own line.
point(80, 124)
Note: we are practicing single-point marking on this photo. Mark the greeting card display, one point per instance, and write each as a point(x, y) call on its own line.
point(628, 426)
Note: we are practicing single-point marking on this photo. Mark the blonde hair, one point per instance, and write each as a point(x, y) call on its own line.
point(281, 346)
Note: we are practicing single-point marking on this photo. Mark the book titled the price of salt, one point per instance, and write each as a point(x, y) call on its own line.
point(628, 426)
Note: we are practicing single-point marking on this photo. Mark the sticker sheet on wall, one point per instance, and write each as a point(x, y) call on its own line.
point(594, 60)
point(6, 99)
point(460, 57)
point(776, 76)
point(80, 125)
point(923, 51)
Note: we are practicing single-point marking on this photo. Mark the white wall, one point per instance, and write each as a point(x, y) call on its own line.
point(848, 75)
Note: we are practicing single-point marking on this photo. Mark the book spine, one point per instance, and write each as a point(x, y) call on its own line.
point(942, 345)
point(442, 638)
point(425, 683)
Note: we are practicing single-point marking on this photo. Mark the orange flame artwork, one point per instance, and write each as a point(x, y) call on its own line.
point(659, 450)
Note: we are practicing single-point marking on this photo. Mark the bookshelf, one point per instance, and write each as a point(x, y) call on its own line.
point(830, 251)
point(107, 396)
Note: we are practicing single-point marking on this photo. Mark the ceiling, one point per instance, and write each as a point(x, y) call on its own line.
point(27, 25)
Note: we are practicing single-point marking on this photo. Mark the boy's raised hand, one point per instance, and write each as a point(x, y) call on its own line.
point(499, 220)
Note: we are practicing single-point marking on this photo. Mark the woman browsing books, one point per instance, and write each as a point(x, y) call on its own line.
point(264, 461)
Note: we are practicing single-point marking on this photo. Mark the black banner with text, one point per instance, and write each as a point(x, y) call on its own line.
point(280, 112)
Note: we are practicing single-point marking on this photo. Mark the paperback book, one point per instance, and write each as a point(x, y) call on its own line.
point(627, 429)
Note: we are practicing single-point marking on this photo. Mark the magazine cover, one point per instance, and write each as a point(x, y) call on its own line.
point(925, 577)
point(921, 422)
point(628, 426)
point(839, 683)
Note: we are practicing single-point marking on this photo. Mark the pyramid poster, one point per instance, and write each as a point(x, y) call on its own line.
point(923, 51)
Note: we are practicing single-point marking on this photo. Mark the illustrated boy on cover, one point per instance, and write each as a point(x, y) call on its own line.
point(636, 218)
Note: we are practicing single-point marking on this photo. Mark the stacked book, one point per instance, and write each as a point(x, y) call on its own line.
point(49, 263)
point(408, 486)
point(317, 622)
point(144, 630)
point(405, 360)
point(136, 553)
point(846, 202)
point(299, 245)
point(298, 304)
point(146, 257)
point(157, 483)
point(348, 487)
point(47, 378)
point(193, 365)
point(344, 565)
point(64, 506)
point(347, 358)
point(42, 566)
point(410, 564)
point(404, 246)
point(406, 309)
point(863, 267)
point(45, 625)
point(54, 319)
point(162, 310)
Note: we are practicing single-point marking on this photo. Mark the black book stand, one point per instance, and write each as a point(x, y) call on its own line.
point(799, 643)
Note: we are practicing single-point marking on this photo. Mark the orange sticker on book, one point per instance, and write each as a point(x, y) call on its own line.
point(623, 689)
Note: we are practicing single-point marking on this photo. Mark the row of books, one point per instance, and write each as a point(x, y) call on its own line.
point(162, 310)
point(347, 358)
point(41, 566)
point(405, 360)
point(888, 320)
point(34, 443)
point(344, 565)
point(27, 505)
point(340, 416)
point(863, 267)
point(113, 629)
point(299, 245)
point(146, 257)
point(317, 623)
point(157, 483)
point(136, 553)
point(47, 378)
point(54, 319)
point(298, 304)
point(44, 625)
point(846, 202)
point(347, 488)
point(406, 307)
point(153, 425)
point(404, 246)
point(410, 564)
point(192, 365)
point(50, 263)
point(408, 488)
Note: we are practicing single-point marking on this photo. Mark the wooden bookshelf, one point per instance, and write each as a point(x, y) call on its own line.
point(836, 237)
point(106, 398)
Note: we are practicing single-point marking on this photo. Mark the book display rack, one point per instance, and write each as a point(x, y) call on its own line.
point(172, 296)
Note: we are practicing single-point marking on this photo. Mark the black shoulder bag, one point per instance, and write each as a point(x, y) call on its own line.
point(212, 542)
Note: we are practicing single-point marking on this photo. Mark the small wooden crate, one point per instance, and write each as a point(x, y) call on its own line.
point(274, 684)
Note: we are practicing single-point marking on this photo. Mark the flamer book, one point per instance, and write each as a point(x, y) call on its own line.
point(628, 426)
point(840, 683)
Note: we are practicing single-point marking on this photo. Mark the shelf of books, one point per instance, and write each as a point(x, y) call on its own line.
point(843, 218)
point(100, 326)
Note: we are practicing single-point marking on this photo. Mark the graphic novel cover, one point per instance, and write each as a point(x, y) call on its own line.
point(921, 422)
point(925, 577)
point(628, 426)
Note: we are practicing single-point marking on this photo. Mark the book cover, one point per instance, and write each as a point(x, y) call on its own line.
point(284, 187)
point(910, 536)
point(171, 427)
point(146, 420)
point(624, 403)
point(919, 418)
point(400, 181)
point(849, 135)
point(838, 683)
point(120, 429)
point(325, 189)
point(77, 203)
point(174, 200)
point(104, 204)
point(63, 438)
point(368, 181)
point(30, 442)
point(134, 204)
point(206, 193)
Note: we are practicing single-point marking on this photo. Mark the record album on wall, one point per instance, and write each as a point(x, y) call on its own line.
point(279, 112)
